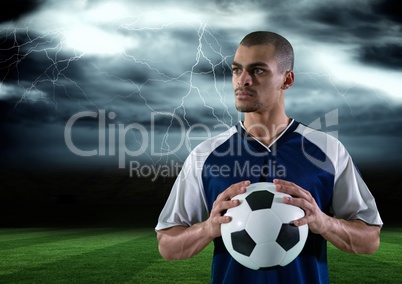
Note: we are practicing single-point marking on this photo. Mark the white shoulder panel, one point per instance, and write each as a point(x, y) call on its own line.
point(351, 196)
point(186, 204)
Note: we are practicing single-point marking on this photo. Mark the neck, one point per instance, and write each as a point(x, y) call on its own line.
point(265, 127)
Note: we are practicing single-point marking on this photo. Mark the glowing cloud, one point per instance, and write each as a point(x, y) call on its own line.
point(92, 40)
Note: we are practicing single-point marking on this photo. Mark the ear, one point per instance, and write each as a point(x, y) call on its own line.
point(289, 80)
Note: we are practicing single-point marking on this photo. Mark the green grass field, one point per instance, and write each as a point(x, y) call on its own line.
point(124, 255)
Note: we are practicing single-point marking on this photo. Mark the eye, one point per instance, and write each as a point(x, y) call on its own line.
point(236, 70)
point(258, 71)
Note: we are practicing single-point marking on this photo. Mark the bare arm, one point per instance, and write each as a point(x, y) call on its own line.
point(181, 242)
point(353, 236)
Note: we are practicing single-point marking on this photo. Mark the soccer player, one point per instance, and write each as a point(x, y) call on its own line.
point(311, 166)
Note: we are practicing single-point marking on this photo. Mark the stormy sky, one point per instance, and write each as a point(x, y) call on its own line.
point(101, 83)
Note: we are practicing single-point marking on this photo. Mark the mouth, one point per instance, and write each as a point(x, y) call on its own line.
point(243, 94)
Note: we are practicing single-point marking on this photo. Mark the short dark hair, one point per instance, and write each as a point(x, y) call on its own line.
point(283, 48)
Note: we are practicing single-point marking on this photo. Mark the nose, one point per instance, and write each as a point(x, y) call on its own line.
point(245, 79)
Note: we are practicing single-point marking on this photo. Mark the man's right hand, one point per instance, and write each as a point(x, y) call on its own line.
point(222, 203)
point(181, 242)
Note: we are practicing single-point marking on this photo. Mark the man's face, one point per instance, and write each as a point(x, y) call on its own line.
point(256, 80)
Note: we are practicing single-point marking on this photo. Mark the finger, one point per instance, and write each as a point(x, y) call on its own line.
point(220, 207)
point(224, 219)
point(296, 201)
point(281, 184)
point(233, 190)
point(291, 189)
point(300, 222)
point(302, 204)
point(218, 212)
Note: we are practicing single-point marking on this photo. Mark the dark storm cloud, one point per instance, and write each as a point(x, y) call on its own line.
point(360, 110)
point(341, 16)
point(29, 113)
point(348, 22)
point(186, 117)
point(7, 136)
point(67, 83)
point(391, 9)
point(376, 118)
point(13, 46)
point(133, 73)
point(209, 51)
point(12, 10)
point(220, 71)
point(340, 23)
point(179, 72)
point(30, 56)
point(387, 55)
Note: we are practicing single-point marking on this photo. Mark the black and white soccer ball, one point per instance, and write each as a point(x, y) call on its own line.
point(261, 234)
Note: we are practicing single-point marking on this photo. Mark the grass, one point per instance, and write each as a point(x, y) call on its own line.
point(385, 266)
point(102, 255)
point(127, 255)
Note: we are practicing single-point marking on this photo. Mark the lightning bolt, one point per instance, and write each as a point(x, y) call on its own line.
point(52, 47)
point(200, 54)
point(329, 78)
point(53, 73)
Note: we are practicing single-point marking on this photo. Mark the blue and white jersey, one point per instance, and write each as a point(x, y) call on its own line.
point(309, 158)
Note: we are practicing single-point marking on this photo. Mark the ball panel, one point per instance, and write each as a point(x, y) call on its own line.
point(242, 242)
point(295, 251)
point(263, 226)
point(286, 212)
point(261, 199)
point(262, 186)
point(288, 236)
point(239, 216)
point(267, 254)
point(245, 260)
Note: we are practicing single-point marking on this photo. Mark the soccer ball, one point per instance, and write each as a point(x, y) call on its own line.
point(261, 234)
